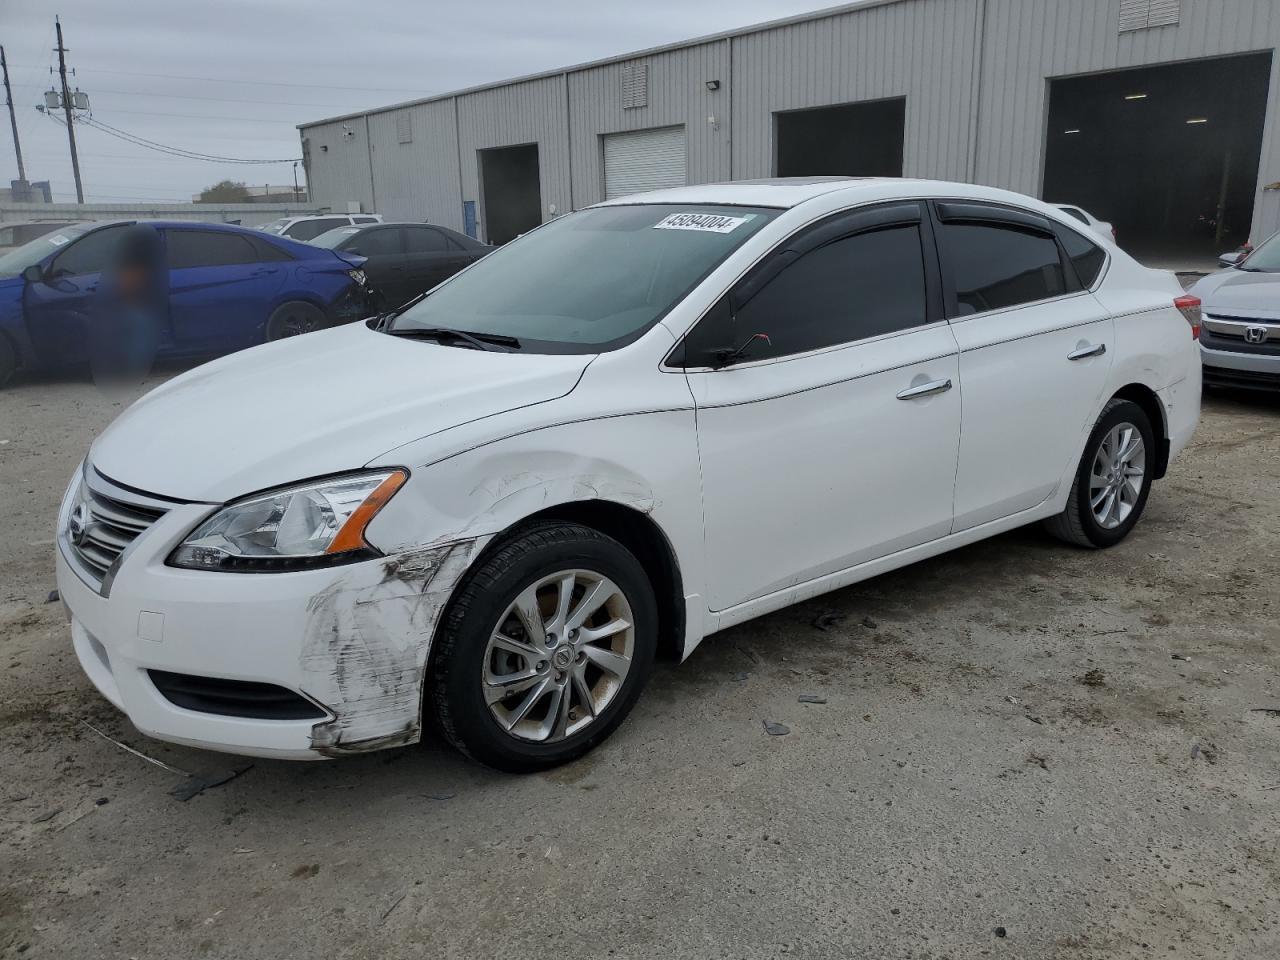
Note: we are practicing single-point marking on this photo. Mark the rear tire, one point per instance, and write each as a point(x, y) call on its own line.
point(293, 319)
point(1113, 480)
point(527, 674)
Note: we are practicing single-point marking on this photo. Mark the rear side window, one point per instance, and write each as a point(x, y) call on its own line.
point(364, 219)
point(426, 240)
point(92, 253)
point(996, 265)
point(1087, 257)
point(207, 248)
point(1077, 214)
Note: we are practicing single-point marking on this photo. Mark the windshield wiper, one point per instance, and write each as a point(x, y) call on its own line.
point(479, 341)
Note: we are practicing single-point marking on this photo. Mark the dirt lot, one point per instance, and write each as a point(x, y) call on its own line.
point(1026, 750)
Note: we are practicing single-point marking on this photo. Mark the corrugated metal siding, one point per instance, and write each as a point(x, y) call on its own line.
point(340, 174)
point(1029, 41)
point(417, 180)
point(678, 94)
point(531, 112)
point(921, 49)
point(642, 160)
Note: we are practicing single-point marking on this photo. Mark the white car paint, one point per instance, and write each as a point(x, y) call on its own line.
point(1101, 227)
point(771, 482)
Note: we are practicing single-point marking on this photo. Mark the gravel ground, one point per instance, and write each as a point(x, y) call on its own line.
point(1026, 750)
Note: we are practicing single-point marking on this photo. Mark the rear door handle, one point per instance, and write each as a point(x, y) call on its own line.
point(925, 390)
point(1081, 353)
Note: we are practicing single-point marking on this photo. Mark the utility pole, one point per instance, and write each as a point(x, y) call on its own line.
point(13, 119)
point(67, 105)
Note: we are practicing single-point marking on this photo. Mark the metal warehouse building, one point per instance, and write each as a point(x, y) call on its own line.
point(1154, 114)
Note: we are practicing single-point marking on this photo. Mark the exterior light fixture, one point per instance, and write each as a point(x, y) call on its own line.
point(713, 84)
point(1198, 120)
point(1135, 96)
point(1071, 131)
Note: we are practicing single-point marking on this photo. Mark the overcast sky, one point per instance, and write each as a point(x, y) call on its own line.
point(234, 77)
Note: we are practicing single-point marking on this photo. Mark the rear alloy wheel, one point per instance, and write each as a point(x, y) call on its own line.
point(293, 319)
point(1113, 480)
point(545, 648)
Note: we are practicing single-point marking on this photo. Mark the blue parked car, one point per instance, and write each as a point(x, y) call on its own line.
point(222, 288)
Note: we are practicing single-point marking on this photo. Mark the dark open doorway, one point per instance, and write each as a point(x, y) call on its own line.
point(1169, 154)
point(851, 140)
point(509, 191)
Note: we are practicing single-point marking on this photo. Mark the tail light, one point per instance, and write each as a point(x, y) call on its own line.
point(1189, 307)
point(1114, 236)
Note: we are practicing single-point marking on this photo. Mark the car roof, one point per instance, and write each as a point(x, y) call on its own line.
point(787, 192)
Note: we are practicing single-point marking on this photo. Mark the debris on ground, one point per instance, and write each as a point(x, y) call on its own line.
point(1001, 932)
point(400, 899)
point(1038, 760)
point(1034, 719)
point(828, 619)
point(1014, 700)
point(739, 677)
point(1094, 678)
point(749, 654)
point(1207, 750)
point(812, 698)
point(307, 870)
point(53, 597)
point(775, 729)
point(47, 816)
point(1178, 656)
point(198, 783)
point(869, 623)
point(137, 753)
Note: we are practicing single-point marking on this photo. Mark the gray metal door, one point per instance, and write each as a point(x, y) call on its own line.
point(641, 160)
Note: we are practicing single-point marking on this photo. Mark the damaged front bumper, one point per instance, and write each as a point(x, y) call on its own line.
point(351, 641)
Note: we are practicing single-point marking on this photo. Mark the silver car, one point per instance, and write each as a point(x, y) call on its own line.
point(1240, 324)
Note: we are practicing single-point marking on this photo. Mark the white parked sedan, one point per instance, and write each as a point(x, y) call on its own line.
point(637, 425)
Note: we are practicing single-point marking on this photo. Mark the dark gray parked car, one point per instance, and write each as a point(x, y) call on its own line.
point(405, 259)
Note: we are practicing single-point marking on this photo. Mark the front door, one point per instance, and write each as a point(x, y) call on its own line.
point(1035, 352)
point(60, 309)
point(833, 442)
point(432, 257)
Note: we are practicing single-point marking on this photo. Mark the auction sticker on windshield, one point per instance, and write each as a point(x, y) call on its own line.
point(707, 222)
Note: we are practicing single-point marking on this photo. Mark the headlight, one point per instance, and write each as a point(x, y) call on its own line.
point(315, 524)
point(359, 276)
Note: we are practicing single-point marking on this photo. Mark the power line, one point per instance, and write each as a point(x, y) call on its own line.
point(207, 116)
point(172, 150)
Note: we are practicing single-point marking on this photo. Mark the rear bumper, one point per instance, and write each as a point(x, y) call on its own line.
point(1250, 371)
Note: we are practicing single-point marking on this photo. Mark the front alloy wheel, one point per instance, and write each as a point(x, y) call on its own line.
point(544, 648)
point(559, 656)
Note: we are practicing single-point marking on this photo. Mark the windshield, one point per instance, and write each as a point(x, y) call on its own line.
point(275, 226)
point(15, 261)
point(1266, 258)
point(331, 238)
point(590, 281)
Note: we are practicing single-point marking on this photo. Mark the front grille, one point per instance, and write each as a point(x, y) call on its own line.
point(233, 698)
point(1244, 379)
point(105, 520)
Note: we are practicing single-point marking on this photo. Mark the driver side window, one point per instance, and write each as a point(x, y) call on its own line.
point(854, 287)
point(92, 253)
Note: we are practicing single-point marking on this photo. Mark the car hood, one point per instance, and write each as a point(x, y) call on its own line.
point(1240, 291)
point(313, 405)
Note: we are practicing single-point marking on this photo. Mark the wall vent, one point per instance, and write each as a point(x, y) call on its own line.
point(635, 85)
point(404, 127)
point(1141, 14)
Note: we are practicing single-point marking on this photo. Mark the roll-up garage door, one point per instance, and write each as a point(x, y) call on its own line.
point(643, 160)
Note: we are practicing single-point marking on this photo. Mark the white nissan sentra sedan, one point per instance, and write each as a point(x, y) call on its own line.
point(637, 425)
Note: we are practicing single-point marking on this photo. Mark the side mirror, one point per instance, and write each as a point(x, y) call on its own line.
point(33, 274)
point(1230, 259)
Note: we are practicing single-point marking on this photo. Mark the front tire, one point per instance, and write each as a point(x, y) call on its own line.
point(293, 319)
point(1113, 480)
point(544, 649)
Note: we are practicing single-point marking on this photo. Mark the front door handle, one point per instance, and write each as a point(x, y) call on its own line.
point(925, 390)
point(1081, 353)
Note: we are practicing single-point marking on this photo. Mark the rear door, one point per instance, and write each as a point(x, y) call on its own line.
point(221, 288)
point(833, 442)
point(1035, 353)
point(432, 257)
point(60, 308)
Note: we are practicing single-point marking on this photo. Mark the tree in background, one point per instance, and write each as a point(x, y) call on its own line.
point(227, 191)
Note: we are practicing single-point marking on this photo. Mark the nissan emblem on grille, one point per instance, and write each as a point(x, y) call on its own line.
point(1255, 334)
point(78, 524)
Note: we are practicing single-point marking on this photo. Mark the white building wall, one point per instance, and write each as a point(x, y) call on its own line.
point(418, 180)
point(338, 167)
